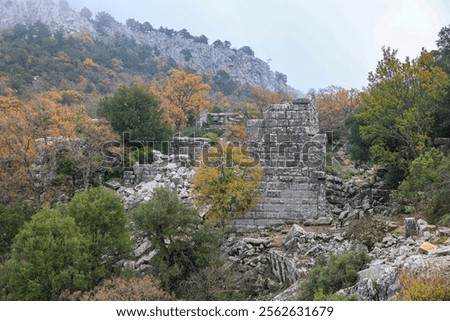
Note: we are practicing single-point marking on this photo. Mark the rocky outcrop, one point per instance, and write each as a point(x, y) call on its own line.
point(53, 13)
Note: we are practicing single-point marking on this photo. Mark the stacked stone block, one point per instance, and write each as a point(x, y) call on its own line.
point(292, 153)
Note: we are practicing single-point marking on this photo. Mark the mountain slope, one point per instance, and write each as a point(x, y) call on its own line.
point(186, 50)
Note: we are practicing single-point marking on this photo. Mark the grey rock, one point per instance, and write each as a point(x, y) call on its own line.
point(377, 283)
point(441, 251)
point(283, 268)
point(112, 185)
point(184, 194)
point(255, 241)
point(142, 248)
point(324, 220)
point(177, 180)
point(319, 222)
point(146, 258)
point(129, 265)
point(443, 231)
point(343, 215)
point(294, 232)
point(411, 227)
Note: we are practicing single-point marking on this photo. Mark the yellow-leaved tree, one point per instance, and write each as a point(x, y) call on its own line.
point(183, 97)
point(227, 183)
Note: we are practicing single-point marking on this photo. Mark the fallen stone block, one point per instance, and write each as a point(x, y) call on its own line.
point(426, 248)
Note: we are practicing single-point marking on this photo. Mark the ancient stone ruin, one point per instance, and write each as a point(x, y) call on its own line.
point(288, 146)
point(292, 154)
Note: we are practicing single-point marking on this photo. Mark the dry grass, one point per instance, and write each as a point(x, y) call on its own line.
point(424, 286)
point(145, 288)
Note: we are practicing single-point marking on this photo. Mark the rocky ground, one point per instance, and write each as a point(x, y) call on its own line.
point(274, 261)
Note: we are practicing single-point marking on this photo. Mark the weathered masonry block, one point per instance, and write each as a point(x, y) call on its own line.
point(292, 154)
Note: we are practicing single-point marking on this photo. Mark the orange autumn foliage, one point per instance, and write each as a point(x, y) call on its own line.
point(236, 133)
point(183, 97)
point(263, 98)
point(29, 133)
point(334, 104)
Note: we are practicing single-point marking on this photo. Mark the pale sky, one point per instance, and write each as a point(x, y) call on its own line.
point(316, 43)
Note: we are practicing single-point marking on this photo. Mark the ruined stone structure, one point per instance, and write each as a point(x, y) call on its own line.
point(292, 154)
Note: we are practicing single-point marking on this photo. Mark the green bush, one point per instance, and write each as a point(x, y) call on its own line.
point(213, 136)
point(445, 220)
point(12, 219)
point(329, 276)
point(367, 231)
point(101, 218)
point(427, 186)
point(423, 170)
point(185, 244)
point(439, 209)
point(48, 257)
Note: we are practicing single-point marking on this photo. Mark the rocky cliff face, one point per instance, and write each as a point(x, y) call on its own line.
point(240, 64)
point(55, 14)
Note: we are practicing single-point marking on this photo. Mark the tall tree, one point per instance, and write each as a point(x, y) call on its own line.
point(183, 97)
point(35, 135)
point(86, 151)
point(27, 132)
point(334, 104)
point(442, 115)
point(396, 116)
point(135, 110)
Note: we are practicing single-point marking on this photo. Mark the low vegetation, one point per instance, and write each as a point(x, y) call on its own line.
point(424, 286)
point(367, 231)
point(184, 243)
point(329, 276)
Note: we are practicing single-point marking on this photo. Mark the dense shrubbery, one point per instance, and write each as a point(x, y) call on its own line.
point(428, 185)
point(136, 111)
point(66, 249)
point(329, 276)
point(49, 255)
point(395, 122)
point(185, 244)
point(101, 219)
point(12, 219)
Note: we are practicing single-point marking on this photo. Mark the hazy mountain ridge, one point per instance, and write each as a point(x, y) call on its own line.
point(206, 59)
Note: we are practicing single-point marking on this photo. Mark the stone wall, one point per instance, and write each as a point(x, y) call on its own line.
point(292, 154)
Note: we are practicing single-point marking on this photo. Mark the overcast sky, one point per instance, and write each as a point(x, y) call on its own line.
point(316, 43)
